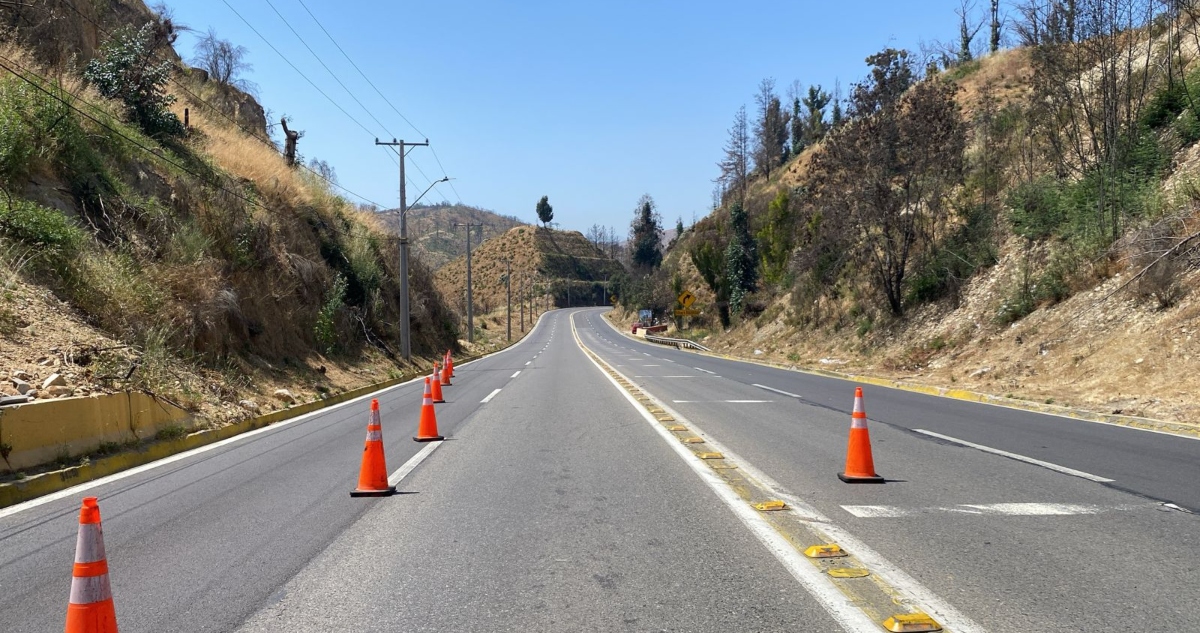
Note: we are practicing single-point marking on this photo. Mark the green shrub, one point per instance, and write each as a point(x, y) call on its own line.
point(326, 327)
point(124, 69)
point(45, 229)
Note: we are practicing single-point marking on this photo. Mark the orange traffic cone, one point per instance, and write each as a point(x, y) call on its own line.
point(90, 609)
point(436, 386)
point(373, 477)
point(444, 376)
point(450, 362)
point(427, 429)
point(860, 468)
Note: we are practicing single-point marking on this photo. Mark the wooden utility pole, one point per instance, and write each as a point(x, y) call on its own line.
point(508, 293)
point(405, 343)
point(470, 297)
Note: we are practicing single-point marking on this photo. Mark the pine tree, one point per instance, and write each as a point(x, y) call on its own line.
point(814, 120)
point(741, 259)
point(645, 235)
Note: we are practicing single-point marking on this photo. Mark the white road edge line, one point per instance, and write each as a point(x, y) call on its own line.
point(817, 584)
point(489, 396)
point(518, 373)
point(779, 391)
point(412, 463)
point(919, 597)
point(88, 485)
point(1021, 458)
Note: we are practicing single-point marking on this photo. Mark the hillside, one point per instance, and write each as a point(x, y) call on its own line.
point(434, 238)
point(1019, 289)
point(553, 263)
point(188, 262)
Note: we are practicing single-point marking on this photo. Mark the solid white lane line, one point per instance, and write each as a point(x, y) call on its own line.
point(412, 463)
point(779, 391)
point(984, 509)
point(518, 373)
point(832, 599)
point(489, 396)
point(1021, 458)
point(88, 485)
point(819, 586)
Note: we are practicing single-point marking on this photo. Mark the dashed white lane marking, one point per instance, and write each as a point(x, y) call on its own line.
point(664, 376)
point(988, 509)
point(412, 463)
point(704, 370)
point(779, 391)
point(651, 365)
point(489, 396)
point(1020, 458)
point(518, 373)
point(528, 362)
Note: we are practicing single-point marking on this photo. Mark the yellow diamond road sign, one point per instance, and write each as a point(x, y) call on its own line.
point(686, 299)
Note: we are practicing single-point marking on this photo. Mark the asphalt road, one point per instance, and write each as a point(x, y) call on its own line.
point(554, 505)
point(1014, 545)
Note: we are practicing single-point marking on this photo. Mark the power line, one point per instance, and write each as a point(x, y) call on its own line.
point(360, 72)
point(157, 154)
point(380, 93)
point(298, 71)
point(251, 133)
point(327, 69)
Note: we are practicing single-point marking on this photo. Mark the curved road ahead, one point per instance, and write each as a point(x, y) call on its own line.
point(559, 503)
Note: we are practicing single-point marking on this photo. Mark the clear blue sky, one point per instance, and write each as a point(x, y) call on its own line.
point(593, 104)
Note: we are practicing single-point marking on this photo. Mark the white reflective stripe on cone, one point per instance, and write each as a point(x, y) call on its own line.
point(858, 423)
point(375, 418)
point(89, 545)
point(89, 590)
point(858, 405)
point(374, 436)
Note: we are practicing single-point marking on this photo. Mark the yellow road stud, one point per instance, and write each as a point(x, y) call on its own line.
point(677, 427)
point(710, 456)
point(770, 506)
point(825, 551)
point(693, 440)
point(848, 572)
point(911, 623)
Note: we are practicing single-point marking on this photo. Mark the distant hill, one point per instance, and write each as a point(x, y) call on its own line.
point(434, 238)
point(563, 264)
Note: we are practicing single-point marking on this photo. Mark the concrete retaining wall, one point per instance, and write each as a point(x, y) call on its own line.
point(41, 432)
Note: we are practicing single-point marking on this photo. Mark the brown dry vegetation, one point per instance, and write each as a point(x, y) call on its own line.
point(546, 260)
point(206, 271)
point(1111, 345)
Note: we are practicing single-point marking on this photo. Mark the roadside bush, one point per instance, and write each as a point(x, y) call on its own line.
point(47, 230)
point(123, 69)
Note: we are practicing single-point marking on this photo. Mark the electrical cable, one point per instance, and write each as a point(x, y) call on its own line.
point(252, 133)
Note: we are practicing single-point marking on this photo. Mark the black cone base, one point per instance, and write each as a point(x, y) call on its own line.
point(861, 480)
point(386, 492)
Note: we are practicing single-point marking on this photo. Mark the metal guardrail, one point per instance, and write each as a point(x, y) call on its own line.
point(678, 343)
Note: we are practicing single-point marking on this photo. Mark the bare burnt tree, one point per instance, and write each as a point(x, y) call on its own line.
point(735, 167)
point(891, 171)
point(222, 60)
point(770, 129)
point(292, 137)
point(1092, 77)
